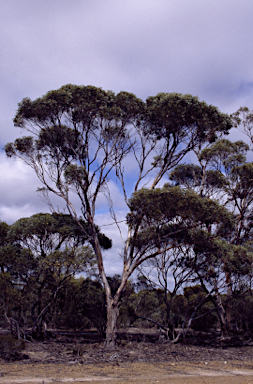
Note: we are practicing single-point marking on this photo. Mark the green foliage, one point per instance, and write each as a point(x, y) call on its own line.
point(188, 174)
point(170, 213)
point(23, 145)
point(81, 304)
point(243, 120)
point(191, 176)
point(223, 152)
point(242, 312)
point(93, 304)
point(67, 311)
point(84, 104)
point(184, 116)
point(169, 202)
point(178, 311)
point(205, 319)
point(140, 307)
point(45, 232)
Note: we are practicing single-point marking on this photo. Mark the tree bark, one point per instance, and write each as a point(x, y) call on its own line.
point(112, 317)
point(111, 303)
point(229, 297)
point(216, 299)
point(14, 327)
point(220, 310)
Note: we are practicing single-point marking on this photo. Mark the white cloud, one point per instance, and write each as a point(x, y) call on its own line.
point(12, 213)
point(145, 47)
point(18, 191)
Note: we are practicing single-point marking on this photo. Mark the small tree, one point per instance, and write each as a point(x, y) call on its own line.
point(169, 274)
point(80, 304)
point(54, 250)
point(81, 136)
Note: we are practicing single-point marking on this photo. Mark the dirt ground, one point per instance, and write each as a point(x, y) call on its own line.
point(78, 360)
point(173, 373)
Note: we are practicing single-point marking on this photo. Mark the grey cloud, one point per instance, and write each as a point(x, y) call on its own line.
point(18, 191)
point(145, 47)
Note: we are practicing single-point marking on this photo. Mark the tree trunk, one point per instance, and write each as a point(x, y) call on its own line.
point(111, 328)
point(38, 321)
point(112, 303)
point(229, 297)
point(220, 310)
point(14, 327)
point(202, 302)
point(216, 299)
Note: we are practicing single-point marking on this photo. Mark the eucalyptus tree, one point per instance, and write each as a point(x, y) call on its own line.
point(168, 273)
point(57, 250)
point(174, 219)
point(80, 136)
point(225, 175)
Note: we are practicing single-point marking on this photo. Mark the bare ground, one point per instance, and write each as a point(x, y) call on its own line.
point(79, 360)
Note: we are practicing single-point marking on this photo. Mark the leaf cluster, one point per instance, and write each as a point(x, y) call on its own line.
point(177, 115)
point(170, 213)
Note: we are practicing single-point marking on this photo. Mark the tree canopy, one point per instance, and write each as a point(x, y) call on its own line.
point(80, 136)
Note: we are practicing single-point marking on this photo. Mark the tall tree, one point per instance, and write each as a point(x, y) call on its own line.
point(81, 135)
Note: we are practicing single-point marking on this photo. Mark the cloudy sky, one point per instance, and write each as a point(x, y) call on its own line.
point(204, 48)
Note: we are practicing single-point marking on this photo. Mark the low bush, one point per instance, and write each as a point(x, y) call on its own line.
point(10, 348)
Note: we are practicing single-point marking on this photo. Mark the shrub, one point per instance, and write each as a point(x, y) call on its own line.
point(10, 348)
